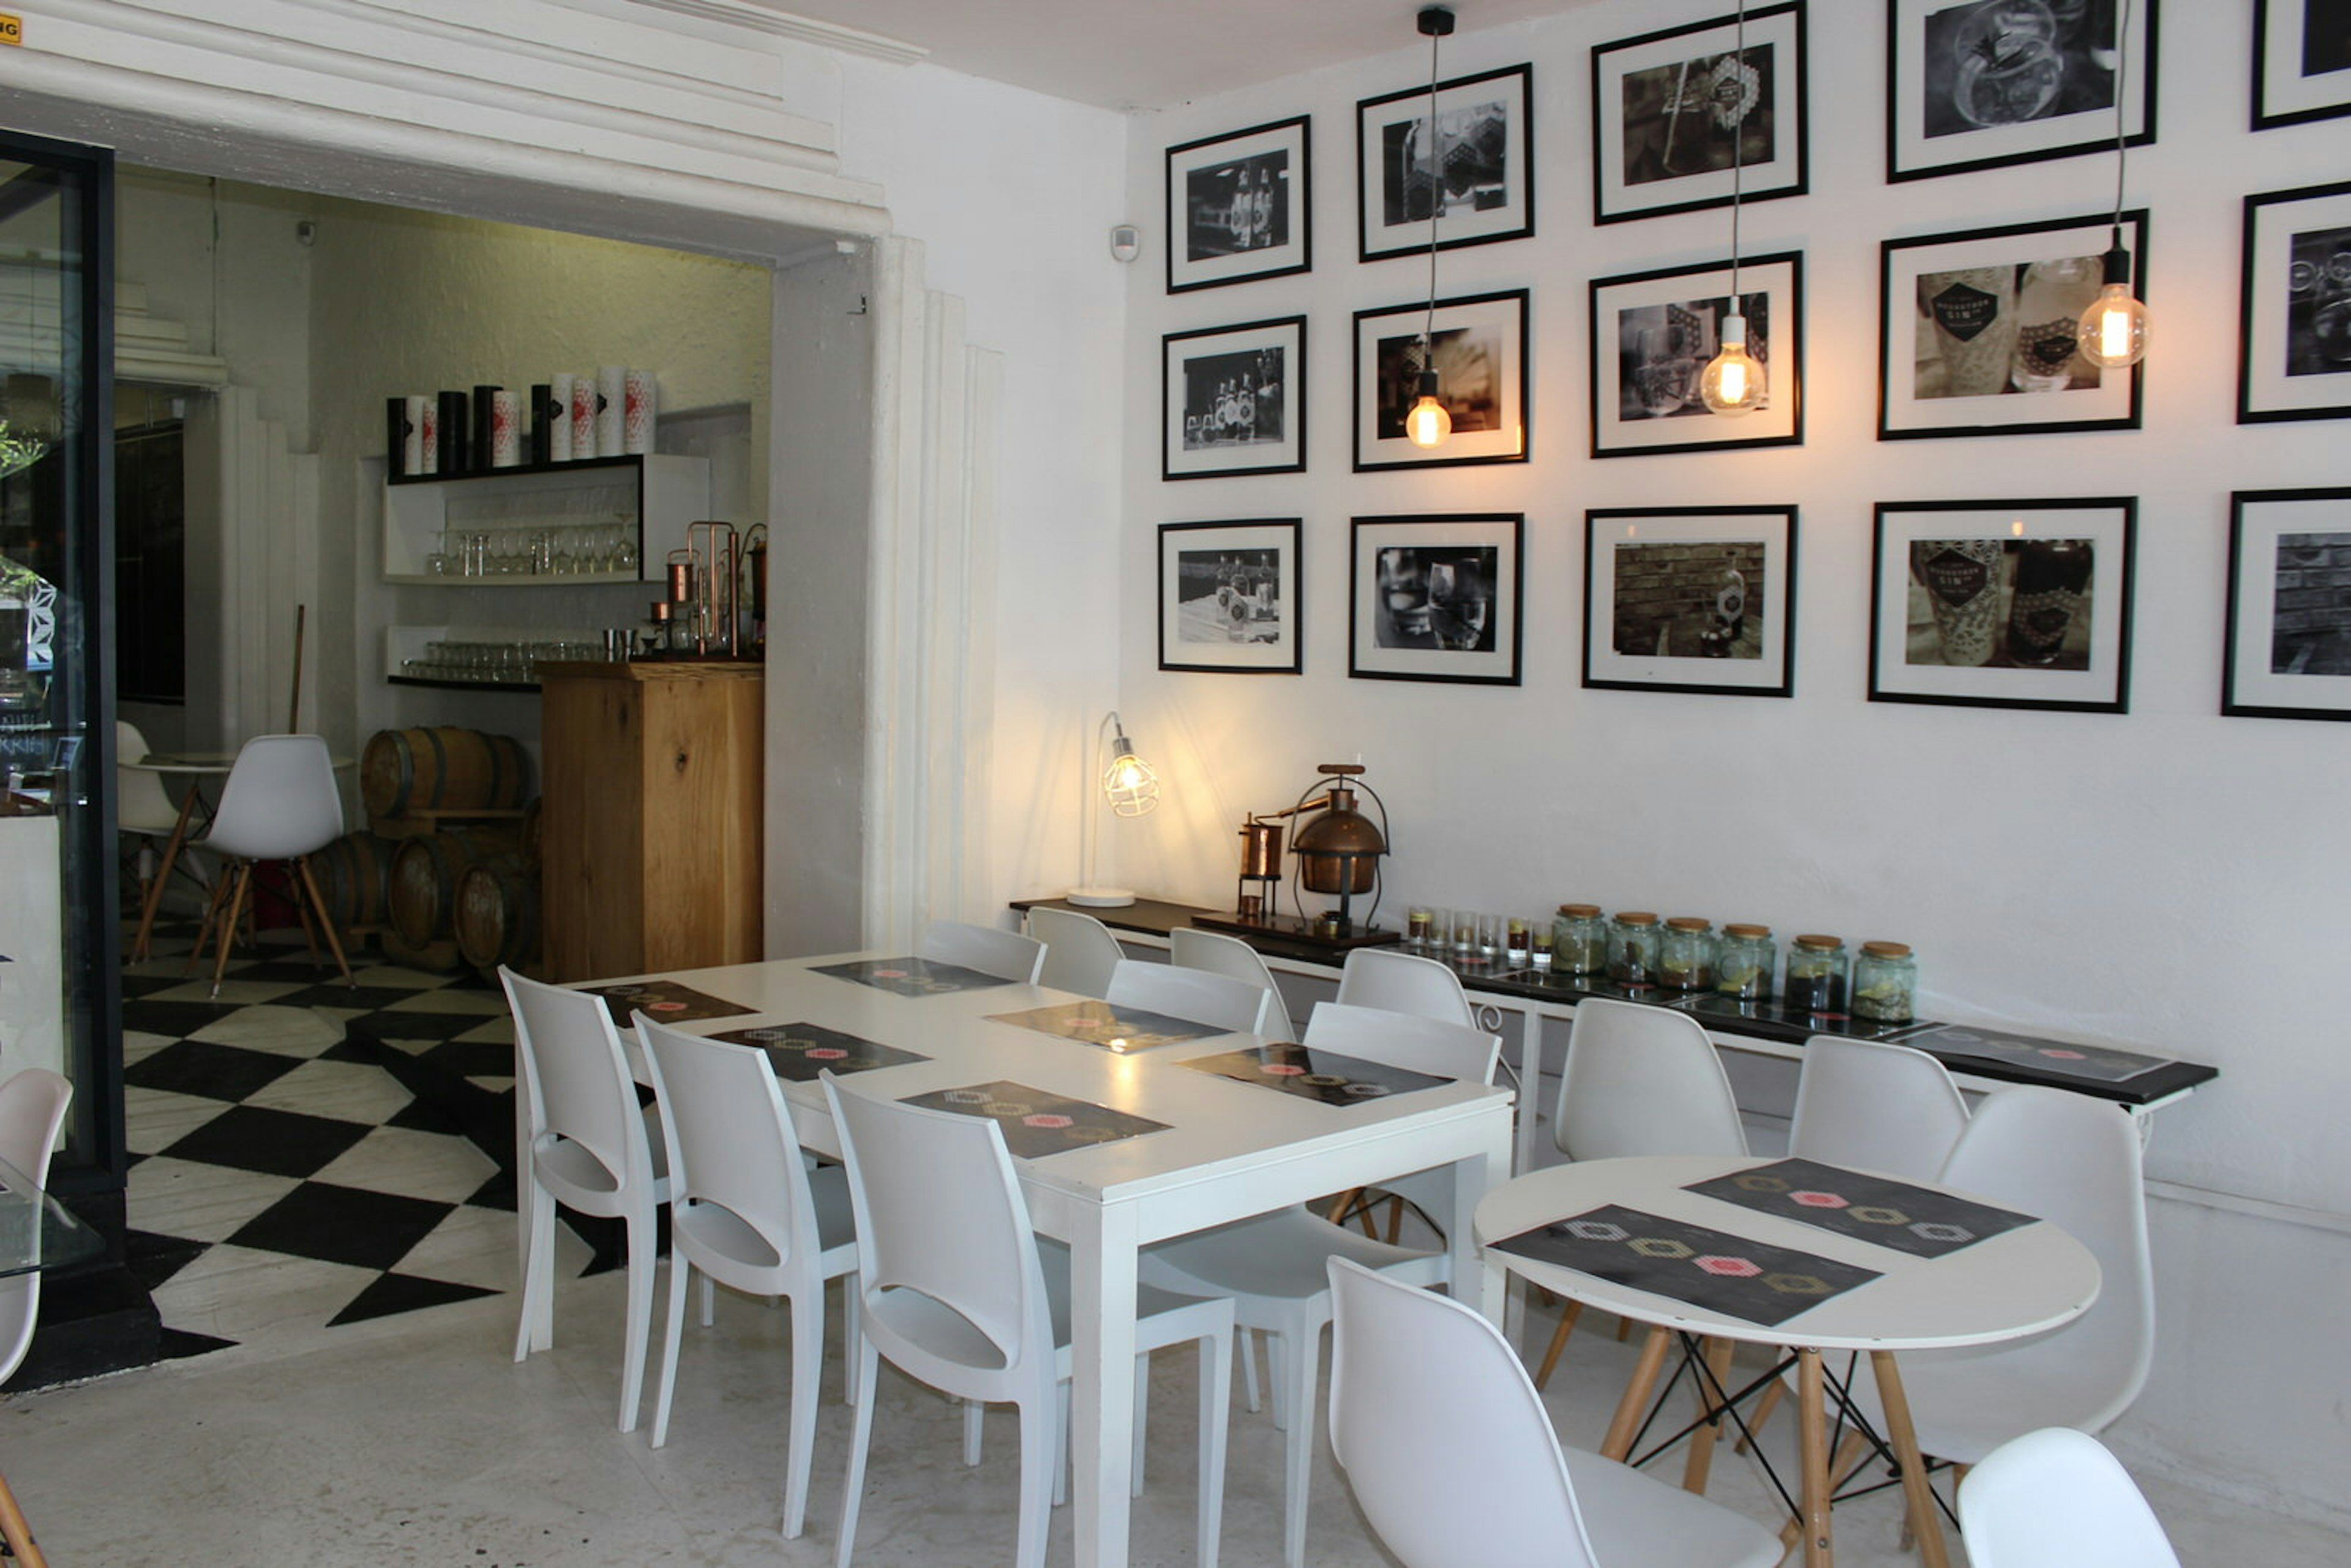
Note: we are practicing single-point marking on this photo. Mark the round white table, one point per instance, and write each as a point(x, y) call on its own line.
point(2004, 1287)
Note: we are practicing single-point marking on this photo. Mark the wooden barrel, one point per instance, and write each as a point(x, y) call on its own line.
point(425, 872)
point(442, 769)
point(530, 833)
point(354, 873)
point(497, 918)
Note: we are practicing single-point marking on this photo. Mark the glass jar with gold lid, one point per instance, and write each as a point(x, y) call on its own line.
point(1745, 961)
point(1885, 981)
point(1816, 975)
point(1579, 940)
point(1633, 948)
point(1686, 954)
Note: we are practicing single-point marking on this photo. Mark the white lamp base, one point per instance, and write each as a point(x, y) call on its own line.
point(1101, 897)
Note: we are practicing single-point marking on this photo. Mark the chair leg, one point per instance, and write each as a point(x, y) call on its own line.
point(204, 927)
point(642, 1260)
point(672, 1330)
point(1278, 1388)
point(18, 1532)
point(709, 1300)
point(1763, 1408)
point(1037, 1473)
point(1569, 1312)
point(866, 1376)
point(228, 926)
point(849, 1339)
point(808, 1375)
point(1302, 1360)
point(1216, 1419)
point(334, 942)
point(1247, 1346)
point(973, 1412)
point(1142, 1411)
point(536, 1329)
point(1061, 1397)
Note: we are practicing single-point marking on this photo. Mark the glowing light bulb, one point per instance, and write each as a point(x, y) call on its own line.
point(1733, 384)
point(1429, 423)
point(2112, 332)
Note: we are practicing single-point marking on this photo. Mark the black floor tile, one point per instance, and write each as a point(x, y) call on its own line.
point(153, 1259)
point(295, 971)
point(417, 1117)
point(275, 1143)
point(344, 1051)
point(474, 1058)
point(404, 1294)
point(199, 1067)
point(426, 1026)
point(178, 1020)
point(178, 1344)
point(137, 985)
point(335, 994)
point(343, 1225)
point(498, 1193)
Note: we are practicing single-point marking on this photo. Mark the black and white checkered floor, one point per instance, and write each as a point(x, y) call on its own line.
point(283, 1179)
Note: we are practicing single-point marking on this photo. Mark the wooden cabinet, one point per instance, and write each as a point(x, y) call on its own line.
point(651, 778)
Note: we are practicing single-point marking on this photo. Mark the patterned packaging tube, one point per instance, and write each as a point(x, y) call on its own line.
point(643, 394)
point(428, 435)
point(416, 445)
point(583, 416)
point(559, 433)
point(611, 409)
point(506, 429)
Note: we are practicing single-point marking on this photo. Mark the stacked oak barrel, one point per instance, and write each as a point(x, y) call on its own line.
point(447, 871)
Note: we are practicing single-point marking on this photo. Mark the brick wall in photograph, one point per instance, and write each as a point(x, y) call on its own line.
point(1659, 584)
point(2314, 583)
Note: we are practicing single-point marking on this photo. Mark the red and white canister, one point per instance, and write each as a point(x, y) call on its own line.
point(643, 392)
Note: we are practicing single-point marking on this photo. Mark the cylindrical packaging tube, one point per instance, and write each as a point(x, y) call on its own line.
point(638, 414)
point(611, 409)
point(506, 429)
point(559, 418)
point(583, 416)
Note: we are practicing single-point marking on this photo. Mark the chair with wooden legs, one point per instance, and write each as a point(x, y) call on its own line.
point(281, 803)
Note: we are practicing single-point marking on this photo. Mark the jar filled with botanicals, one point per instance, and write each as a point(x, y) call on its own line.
point(1579, 940)
point(1686, 954)
point(1744, 962)
point(1633, 948)
point(1816, 975)
point(1885, 980)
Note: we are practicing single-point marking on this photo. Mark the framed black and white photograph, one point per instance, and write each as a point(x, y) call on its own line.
point(1984, 83)
point(1652, 335)
point(1233, 400)
point(1680, 116)
point(1229, 597)
point(1478, 345)
point(1474, 175)
point(1239, 207)
point(2294, 345)
point(2003, 604)
point(2288, 653)
point(2301, 61)
point(1976, 331)
point(1436, 598)
point(1696, 599)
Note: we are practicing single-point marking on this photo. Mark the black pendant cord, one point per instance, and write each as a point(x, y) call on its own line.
point(1436, 205)
point(1738, 150)
point(2122, 141)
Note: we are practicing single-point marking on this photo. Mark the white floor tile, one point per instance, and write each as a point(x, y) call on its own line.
point(440, 1166)
point(208, 1203)
point(486, 1003)
point(155, 1119)
point(233, 991)
point(235, 1292)
point(282, 1031)
point(138, 1045)
point(347, 1091)
point(393, 975)
point(498, 1030)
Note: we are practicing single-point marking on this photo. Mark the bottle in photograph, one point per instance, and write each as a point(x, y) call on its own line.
point(2010, 66)
point(1972, 313)
point(2048, 315)
point(2051, 578)
point(1962, 581)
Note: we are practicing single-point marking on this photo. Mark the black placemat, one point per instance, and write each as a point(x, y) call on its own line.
point(1035, 1123)
point(911, 976)
point(1324, 1075)
point(1710, 1269)
point(1914, 1220)
point(2099, 1063)
point(798, 1051)
point(1112, 1028)
point(665, 1001)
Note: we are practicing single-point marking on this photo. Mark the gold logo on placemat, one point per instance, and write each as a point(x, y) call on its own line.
point(11, 29)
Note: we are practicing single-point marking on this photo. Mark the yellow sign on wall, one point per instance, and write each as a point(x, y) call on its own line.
point(12, 28)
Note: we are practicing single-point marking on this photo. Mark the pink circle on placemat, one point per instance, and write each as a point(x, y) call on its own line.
point(1280, 1069)
point(1048, 1119)
point(825, 1054)
point(1819, 1200)
point(2061, 1055)
point(665, 1006)
point(888, 974)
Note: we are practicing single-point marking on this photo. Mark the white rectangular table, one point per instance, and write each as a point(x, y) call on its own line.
point(1230, 1150)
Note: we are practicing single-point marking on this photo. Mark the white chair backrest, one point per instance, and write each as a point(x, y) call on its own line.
point(1007, 955)
point(32, 1109)
point(1217, 954)
point(1405, 1040)
point(1401, 983)
point(280, 799)
point(939, 1211)
point(576, 1083)
point(1080, 951)
point(1877, 1107)
point(1449, 1447)
point(729, 1135)
point(2057, 1499)
point(141, 804)
point(1642, 1080)
point(1194, 994)
point(2074, 1161)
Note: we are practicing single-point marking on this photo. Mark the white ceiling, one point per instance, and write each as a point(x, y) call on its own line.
point(1150, 54)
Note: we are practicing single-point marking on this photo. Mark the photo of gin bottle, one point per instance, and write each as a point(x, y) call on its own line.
point(2049, 307)
point(1962, 581)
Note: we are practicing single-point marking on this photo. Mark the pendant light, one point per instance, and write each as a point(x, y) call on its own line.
point(1429, 422)
point(1733, 381)
point(2111, 333)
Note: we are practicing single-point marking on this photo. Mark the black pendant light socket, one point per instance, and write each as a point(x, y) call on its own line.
point(1437, 22)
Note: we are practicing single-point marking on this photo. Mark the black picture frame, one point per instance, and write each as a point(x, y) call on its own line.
point(1954, 82)
point(1229, 597)
point(1968, 322)
point(2286, 652)
point(1492, 113)
point(2294, 328)
point(1652, 335)
point(1438, 596)
point(1480, 345)
point(1217, 418)
point(2297, 74)
point(1658, 143)
point(2003, 604)
point(1690, 599)
point(1216, 176)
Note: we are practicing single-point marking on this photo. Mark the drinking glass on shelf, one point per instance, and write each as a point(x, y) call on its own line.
point(624, 545)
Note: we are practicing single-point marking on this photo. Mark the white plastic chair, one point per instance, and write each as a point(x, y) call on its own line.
point(1007, 955)
point(746, 1212)
point(1080, 951)
point(1273, 1265)
point(586, 1144)
point(957, 1290)
point(1217, 954)
point(1401, 983)
point(281, 803)
point(1876, 1107)
point(2073, 1161)
point(2057, 1499)
point(143, 809)
point(1454, 1462)
point(1193, 994)
point(32, 1109)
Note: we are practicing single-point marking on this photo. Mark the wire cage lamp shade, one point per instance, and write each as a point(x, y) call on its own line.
point(1130, 788)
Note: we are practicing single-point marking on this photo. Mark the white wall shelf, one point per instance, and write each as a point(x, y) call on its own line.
point(650, 499)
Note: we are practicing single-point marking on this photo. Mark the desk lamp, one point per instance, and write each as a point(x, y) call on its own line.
point(1132, 789)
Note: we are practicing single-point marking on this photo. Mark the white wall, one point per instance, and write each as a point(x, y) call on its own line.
point(2168, 878)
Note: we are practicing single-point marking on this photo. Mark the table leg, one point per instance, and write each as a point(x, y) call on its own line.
point(1812, 1425)
point(1627, 1420)
point(18, 1532)
point(1477, 1280)
point(164, 875)
point(1102, 1354)
point(1700, 1463)
point(1916, 1488)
